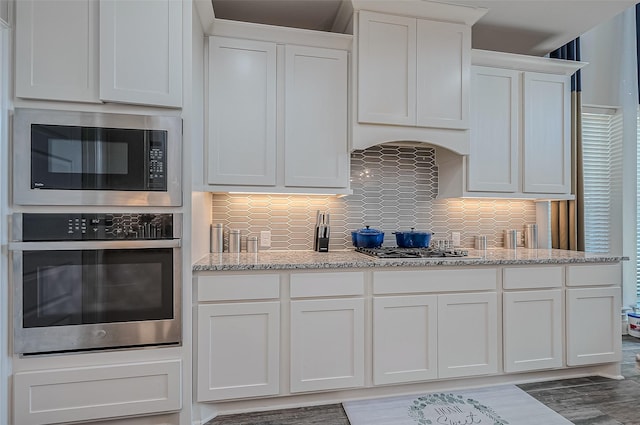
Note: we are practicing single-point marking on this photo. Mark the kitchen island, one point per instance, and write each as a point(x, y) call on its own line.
point(292, 328)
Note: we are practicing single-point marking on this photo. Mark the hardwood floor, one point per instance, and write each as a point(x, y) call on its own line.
point(583, 401)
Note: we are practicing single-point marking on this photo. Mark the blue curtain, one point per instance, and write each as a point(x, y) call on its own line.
point(571, 51)
point(567, 217)
point(638, 44)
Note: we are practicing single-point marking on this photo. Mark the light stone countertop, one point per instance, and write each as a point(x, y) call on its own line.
point(288, 260)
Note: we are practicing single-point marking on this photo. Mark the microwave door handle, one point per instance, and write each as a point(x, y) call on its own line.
point(76, 245)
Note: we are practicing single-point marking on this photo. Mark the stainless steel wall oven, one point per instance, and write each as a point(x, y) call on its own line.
point(95, 281)
point(88, 158)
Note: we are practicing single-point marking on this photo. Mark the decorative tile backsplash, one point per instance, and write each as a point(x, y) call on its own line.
point(394, 188)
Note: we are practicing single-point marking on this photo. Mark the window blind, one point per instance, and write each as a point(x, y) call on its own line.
point(602, 160)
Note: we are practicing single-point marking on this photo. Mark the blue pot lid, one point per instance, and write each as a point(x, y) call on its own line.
point(368, 231)
point(413, 232)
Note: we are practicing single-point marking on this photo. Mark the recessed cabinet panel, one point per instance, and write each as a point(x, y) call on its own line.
point(57, 50)
point(242, 112)
point(238, 350)
point(405, 337)
point(443, 62)
point(467, 334)
point(594, 274)
point(593, 326)
point(327, 344)
point(547, 133)
point(386, 69)
point(493, 158)
point(532, 330)
point(93, 393)
point(141, 52)
point(315, 143)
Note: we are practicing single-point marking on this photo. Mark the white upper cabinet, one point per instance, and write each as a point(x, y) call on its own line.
point(242, 112)
point(387, 69)
point(57, 50)
point(547, 133)
point(412, 64)
point(413, 72)
point(141, 52)
point(442, 80)
point(278, 110)
point(520, 130)
point(493, 155)
point(316, 97)
point(100, 51)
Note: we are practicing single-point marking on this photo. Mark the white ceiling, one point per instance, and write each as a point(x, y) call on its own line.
point(533, 27)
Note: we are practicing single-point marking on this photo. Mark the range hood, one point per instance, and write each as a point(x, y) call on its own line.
point(411, 73)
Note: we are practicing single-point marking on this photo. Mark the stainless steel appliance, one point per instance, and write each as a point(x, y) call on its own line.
point(84, 158)
point(95, 281)
point(395, 252)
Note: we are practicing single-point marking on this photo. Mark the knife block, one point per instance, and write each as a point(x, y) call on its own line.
point(320, 243)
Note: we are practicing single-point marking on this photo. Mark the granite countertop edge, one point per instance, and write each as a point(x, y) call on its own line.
point(349, 259)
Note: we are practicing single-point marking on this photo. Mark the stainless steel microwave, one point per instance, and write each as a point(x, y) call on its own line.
point(89, 158)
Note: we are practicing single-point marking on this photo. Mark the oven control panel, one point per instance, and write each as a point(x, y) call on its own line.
point(108, 226)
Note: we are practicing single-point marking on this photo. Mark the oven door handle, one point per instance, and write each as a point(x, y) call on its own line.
point(78, 245)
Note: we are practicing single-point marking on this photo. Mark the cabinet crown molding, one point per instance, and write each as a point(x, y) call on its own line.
point(435, 11)
point(525, 62)
point(280, 35)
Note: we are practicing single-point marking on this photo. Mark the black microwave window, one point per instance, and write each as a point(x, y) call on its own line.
point(91, 158)
point(68, 156)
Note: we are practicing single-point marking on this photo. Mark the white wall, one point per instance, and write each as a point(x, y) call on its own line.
point(610, 79)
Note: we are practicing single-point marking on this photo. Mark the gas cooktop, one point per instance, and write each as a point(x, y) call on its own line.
point(395, 252)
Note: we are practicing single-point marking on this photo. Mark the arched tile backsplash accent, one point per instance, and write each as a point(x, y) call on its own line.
point(394, 188)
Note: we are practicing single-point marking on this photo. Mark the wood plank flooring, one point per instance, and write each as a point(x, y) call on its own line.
point(584, 401)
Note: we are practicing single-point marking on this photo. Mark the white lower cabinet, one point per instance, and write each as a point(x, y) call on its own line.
point(467, 334)
point(327, 344)
point(237, 336)
point(532, 330)
point(593, 314)
point(405, 333)
point(593, 326)
point(100, 392)
point(429, 334)
point(238, 350)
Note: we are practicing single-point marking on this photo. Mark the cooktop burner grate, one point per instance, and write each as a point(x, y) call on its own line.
point(395, 252)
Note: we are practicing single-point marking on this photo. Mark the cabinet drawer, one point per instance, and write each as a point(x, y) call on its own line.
point(532, 277)
point(594, 275)
point(91, 393)
point(401, 282)
point(238, 287)
point(329, 284)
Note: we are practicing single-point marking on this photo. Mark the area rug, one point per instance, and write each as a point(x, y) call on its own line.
point(500, 405)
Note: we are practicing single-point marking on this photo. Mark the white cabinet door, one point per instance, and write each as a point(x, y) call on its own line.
point(315, 141)
point(94, 393)
point(405, 339)
point(593, 326)
point(443, 63)
point(327, 344)
point(141, 52)
point(532, 330)
point(467, 334)
point(547, 133)
point(242, 112)
point(57, 50)
point(238, 350)
point(386, 69)
point(492, 164)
